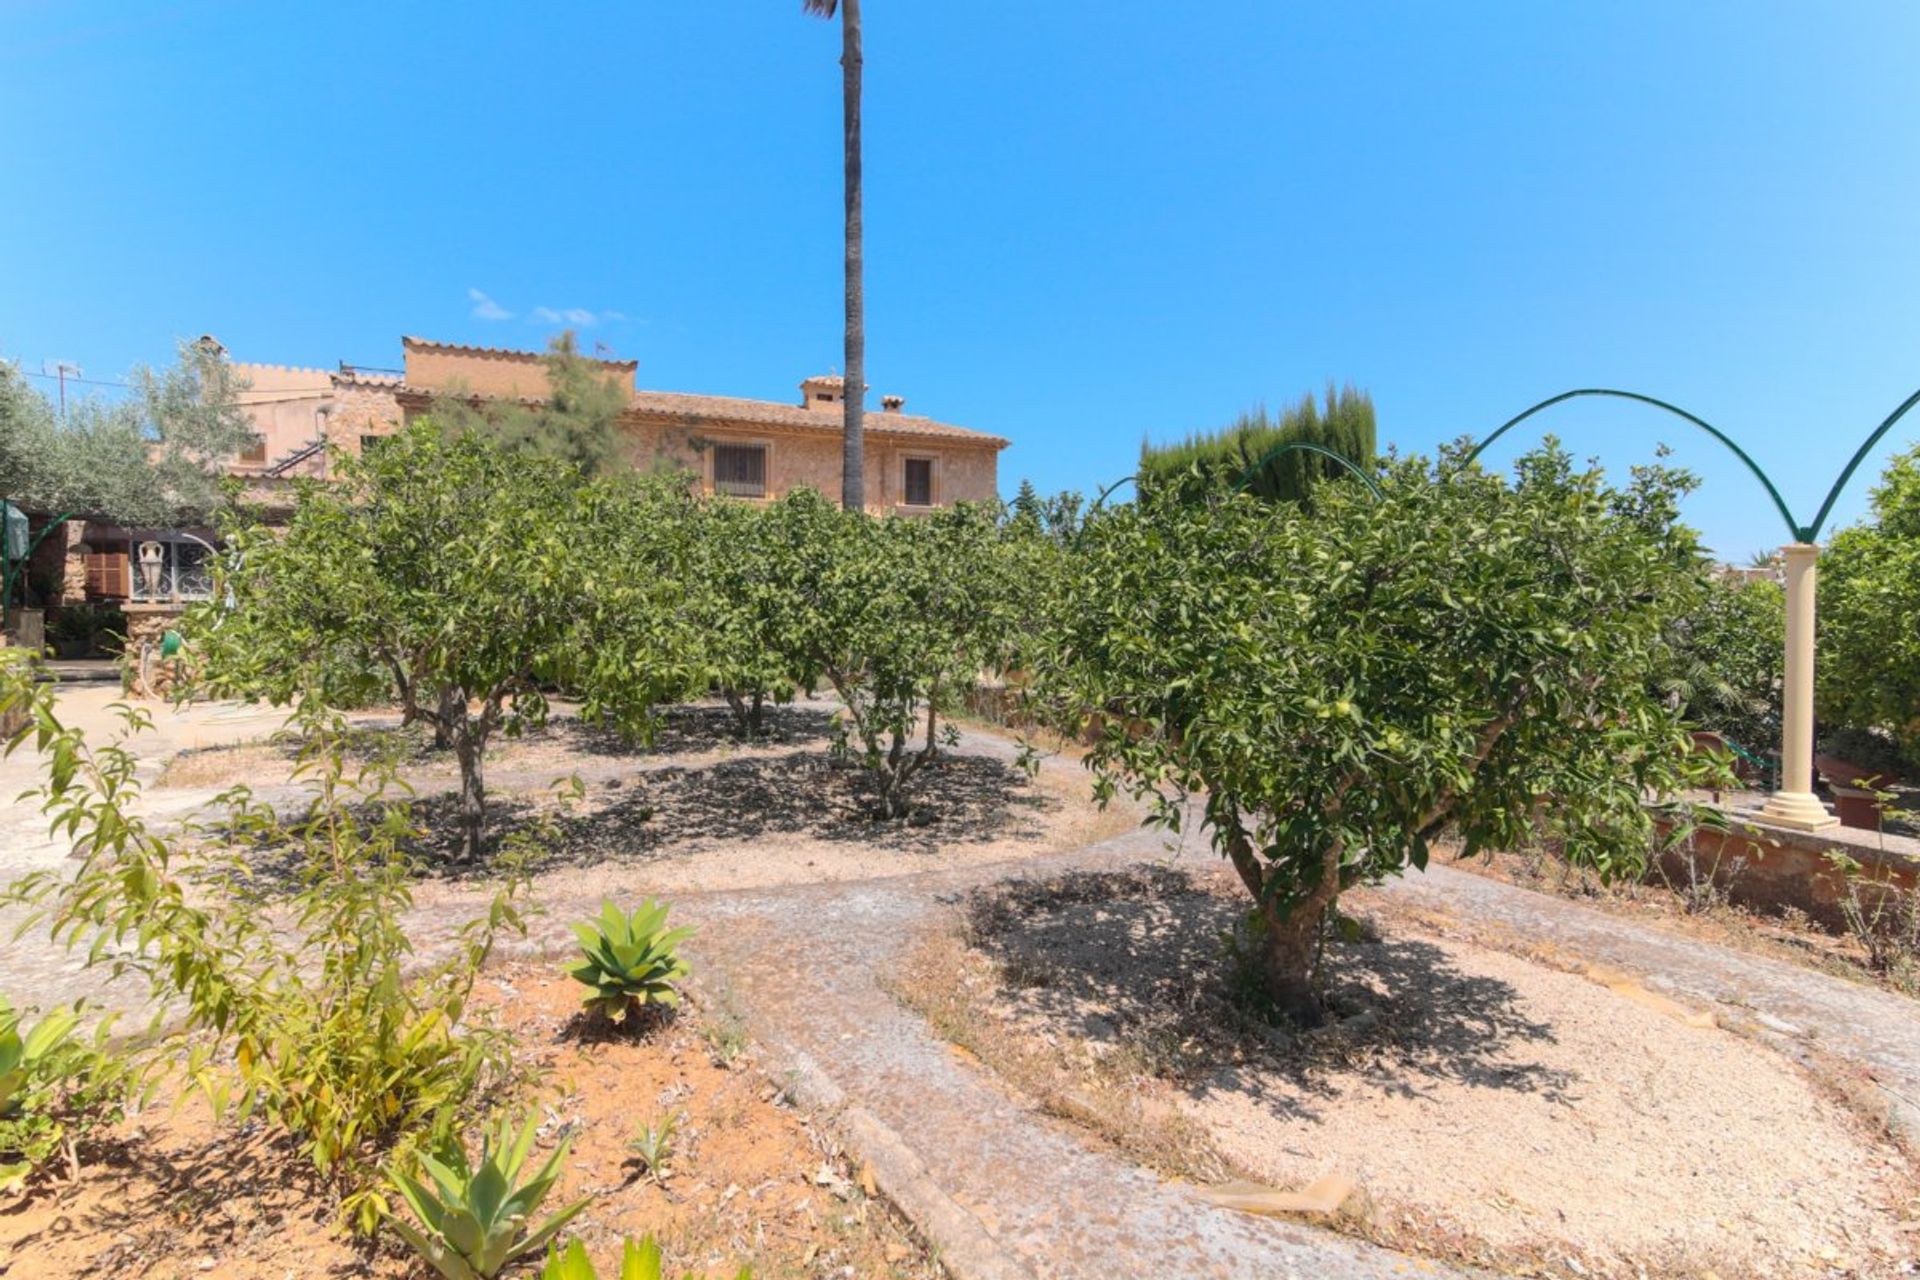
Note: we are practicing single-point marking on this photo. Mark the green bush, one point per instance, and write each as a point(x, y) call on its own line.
point(55, 1089)
point(632, 961)
point(313, 1019)
point(1869, 668)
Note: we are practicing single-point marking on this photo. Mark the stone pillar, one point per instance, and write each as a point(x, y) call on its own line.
point(1795, 805)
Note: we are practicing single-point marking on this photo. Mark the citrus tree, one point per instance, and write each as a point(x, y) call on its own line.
point(743, 592)
point(1340, 689)
point(1869, 671)
point(899, 615)
point(466, 583)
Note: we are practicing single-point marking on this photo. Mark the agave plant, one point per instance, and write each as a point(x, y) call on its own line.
point(631, 960)
point(473, 1219)
point(637, 1262)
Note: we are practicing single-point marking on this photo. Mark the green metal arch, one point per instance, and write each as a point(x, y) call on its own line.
point(1795, 529)
point(1307, 446)
point(1853, 464)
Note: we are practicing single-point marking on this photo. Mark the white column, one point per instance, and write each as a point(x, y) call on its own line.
point(1795, 805)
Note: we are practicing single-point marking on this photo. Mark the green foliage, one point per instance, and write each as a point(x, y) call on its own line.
point(652, 1144)
point(153, 459)
point(318, 1019)
point(465, 582)
point(1727, 653)
point(631, 960)
point(578, 422)
point(1339, 687)
point(476, 1217)
point(55, 1089)
point(1224, 458)
point(741, 596)
point(1869, 663)
point(900, 615)
point(639, 1261)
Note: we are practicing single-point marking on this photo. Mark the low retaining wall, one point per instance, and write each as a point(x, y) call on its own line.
point(1774, 869)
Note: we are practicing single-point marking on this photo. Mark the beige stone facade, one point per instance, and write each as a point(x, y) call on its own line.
point(750, 448)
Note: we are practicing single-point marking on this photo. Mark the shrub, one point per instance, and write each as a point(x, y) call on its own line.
point(55, 1089)
point(632, 961)
point(474, 1219)
point(1727, 653)
point(307, 1018)
point(1869, 669)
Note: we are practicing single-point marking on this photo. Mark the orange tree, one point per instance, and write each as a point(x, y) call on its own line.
point(899, 615)
point(1342, 688)
point(465, 582)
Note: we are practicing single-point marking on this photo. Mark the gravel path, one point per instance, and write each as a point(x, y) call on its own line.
point(1798, 1009)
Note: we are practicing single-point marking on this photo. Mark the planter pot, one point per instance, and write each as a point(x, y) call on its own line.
point(1856, 808)
point(68, 650)
point(1845, 773)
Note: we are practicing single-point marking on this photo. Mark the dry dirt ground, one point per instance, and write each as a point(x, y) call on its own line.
point(750, 1180)
point(1495, 1110)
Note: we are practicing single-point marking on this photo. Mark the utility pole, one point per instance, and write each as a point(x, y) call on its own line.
point(60, 370)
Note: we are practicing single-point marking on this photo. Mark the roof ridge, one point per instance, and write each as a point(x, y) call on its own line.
point(408, 340)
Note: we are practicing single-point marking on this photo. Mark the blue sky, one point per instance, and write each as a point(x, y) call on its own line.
point(1087, 223)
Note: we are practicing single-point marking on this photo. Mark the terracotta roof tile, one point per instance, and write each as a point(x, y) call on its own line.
point(501, 353)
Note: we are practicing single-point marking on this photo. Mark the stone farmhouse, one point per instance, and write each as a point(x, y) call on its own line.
point(750, 449)
point(746, 448)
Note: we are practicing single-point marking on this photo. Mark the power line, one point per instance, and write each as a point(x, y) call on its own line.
point(91, 382)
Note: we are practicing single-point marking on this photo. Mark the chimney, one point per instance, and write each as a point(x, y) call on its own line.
point(823, 392)
point(893, 404)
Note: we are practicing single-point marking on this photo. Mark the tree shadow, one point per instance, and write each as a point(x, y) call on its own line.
point(801, 795)
point(206, 1195)
point(1141, 961)
point(688, 729)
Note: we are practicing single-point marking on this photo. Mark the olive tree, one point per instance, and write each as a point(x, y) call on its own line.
point(1869, 672)
point(466, 583)
point(900, 615)
point(1342, 688)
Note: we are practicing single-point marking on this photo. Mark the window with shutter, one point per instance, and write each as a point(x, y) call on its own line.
point(740, 470)
point(919, 482)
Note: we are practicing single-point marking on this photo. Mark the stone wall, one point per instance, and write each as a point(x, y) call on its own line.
point(795, 460)
point(1771, 869)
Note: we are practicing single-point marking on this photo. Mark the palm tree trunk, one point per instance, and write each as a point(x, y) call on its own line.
point(853, 487)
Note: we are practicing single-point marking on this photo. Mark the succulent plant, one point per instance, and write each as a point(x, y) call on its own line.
point(473, 1220)
point(631, 960)
point(637, 1262)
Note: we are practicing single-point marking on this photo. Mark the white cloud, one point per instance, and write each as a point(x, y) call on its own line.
point(485, 308)
point(574, 315)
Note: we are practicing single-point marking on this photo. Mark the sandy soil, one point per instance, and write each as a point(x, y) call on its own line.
point(750, 1181)
point(1495, 1109)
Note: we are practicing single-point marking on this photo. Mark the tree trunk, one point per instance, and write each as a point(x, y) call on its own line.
point(471, 747)
point(1290, 937)
point(853, 480)
point(1290, 953)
